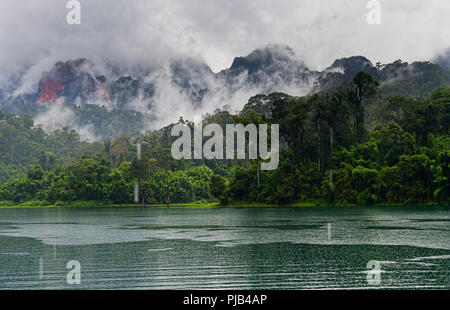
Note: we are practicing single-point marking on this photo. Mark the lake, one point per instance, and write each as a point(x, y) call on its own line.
point(226, 248)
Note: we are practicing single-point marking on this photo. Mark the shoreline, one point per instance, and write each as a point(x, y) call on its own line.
point(34, 204)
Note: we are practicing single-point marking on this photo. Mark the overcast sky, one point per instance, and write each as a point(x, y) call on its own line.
point(35, 32)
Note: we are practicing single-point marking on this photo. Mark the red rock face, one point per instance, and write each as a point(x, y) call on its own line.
point(105, 92)
point(48, 88)
point(99, 89)
point(68, 80)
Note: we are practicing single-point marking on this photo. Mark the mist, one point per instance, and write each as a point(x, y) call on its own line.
point(143, 35)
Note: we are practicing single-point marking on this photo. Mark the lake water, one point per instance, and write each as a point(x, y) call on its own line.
point(226, 248)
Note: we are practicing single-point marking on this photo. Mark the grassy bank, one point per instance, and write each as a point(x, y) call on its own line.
point(44, 204)
point(261, 205)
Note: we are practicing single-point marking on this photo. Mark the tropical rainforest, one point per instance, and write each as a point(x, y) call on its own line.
point(344, 145)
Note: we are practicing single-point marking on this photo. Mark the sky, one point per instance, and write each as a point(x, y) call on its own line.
point(34, 34)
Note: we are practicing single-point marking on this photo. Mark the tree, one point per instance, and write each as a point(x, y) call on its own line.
point(219, 188)
point(87, 180)
point(140, 170)
point(251, 117)
point(363, 87)
point(36, 173)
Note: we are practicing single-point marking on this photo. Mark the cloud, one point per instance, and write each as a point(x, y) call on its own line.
point(142, 34)
point(58, 116)
point(142, 31)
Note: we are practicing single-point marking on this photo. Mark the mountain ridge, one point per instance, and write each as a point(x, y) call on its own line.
point(271, 69)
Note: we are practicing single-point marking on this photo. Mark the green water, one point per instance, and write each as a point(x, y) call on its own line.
point(225, 248)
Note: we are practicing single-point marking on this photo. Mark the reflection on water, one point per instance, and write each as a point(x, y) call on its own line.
point(240, 248)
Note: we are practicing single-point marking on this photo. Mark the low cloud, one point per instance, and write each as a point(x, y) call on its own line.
point(34, 33)
point(140, 35)
point(59, 116)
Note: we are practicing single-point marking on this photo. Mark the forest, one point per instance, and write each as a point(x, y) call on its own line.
point(346, 145)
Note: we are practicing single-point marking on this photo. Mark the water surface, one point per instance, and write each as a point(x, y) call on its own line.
point(225, 248)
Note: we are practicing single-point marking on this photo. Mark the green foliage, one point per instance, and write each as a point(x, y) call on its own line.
point(328, 155)
point(24, 145)
point(219, 188)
